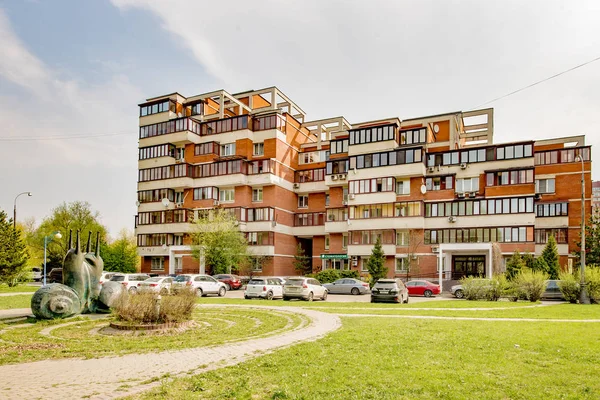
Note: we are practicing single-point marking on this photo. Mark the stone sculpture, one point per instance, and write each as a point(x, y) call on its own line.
point(80, 291)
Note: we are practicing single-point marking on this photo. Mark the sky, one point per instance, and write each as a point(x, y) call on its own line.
point(72, 73)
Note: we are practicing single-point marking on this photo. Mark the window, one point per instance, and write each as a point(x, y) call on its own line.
point(326, 242)
point(228, 149)
point(402, 265)
point(227, 195)
point(326, 199)
point(344, 241)
point(413, 136)
point(374, 185)
point(512, 205)
point(552, 210)
point(311, 175)
point(509, 177)
point(402, 238)
point(260, 238)
point(336, 167)
point(545, 185)
point(257, 195)
point(157, 264)
point(375, 134)
point(467, 184)
point(396, 157)
point(258, 149)
point(542, 235)
point(403, 187)
point(479, 235)
point(157, 108)
point(339, 146)
point(302, 201)
point(439, 183)
point(562, 156)
point(163, 150)
point(364, 261)
point(206, 193)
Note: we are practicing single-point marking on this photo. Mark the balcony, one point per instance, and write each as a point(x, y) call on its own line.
point(181, 130)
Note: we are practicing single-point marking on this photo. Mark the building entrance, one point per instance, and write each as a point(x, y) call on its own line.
point(468, 266)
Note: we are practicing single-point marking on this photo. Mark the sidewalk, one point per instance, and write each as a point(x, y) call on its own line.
point(15, 294)
point(15, 313)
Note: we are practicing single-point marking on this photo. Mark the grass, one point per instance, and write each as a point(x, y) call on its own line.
point(414, 359)
point(16, 301)
point(18, 289)
point(76, 340)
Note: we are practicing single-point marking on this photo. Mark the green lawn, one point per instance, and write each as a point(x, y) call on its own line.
point(373, 358)
point(16, 301)
point(217, 326)
point(18, 289)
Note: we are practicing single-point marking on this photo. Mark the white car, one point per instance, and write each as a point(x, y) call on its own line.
point(159, 284)
point(36, 274)
point(266, 288)
point(202, 284)
point(106, 277)
point(129, 281)
point(303, 288)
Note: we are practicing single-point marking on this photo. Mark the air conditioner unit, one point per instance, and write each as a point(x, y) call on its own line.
point(354, 260)
point(472, 194)
point(334, 177)
point(296, 185)
point(351, 196)
point(435, 249)
point(452, 219)
point(345, 202)
point(460, 195)
point(216, 202)
point(538, 196)
point(463, 166)
point(430, 169)
point(178, 205)
point(342, 177)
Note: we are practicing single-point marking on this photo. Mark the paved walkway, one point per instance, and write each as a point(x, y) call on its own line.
point(469, 318)
point(110, 377)
point(15, 313)
point(15, 294)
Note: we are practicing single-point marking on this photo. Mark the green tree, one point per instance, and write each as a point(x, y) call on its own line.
point(74, 216)
point(592, 242)
point(550, 256)
point(540, 265)
point(514, 265)
point(13, 253)
point(217, 238)
point(301, 261)
point(376, 264)
point(121, 254)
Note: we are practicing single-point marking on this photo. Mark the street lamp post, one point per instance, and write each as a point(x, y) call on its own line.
point(29, 194)
point(583, 296)
point(50, 237)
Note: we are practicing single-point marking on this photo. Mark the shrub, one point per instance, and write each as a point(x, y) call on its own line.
point(569, 287)
point(480, 289)
point(532, 284)
point(508, 289)
point(592, 280)
point(514, 265)
point(349, 274)
point(328, 275)
point(141, 308)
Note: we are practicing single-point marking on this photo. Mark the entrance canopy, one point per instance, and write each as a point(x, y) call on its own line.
point(447, 250)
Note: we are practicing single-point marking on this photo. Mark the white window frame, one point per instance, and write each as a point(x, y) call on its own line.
point(327, 239)
point(344, 241)
point(257, 195)
point(404, 262)
point(546, 180)
point(228, 149)
point(363, 264)
point(402, 234)
point(227, 195)
point(302, 201)
point(154, 266)
point(404, 185)
point(258, 149)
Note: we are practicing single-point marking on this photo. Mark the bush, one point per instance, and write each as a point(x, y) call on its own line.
point(481, 289)
point(328, 275)
point(349, 274)
point(592, 280)
point(569, 287)
point(508, 289)
point(140, 308)
point(531, 284)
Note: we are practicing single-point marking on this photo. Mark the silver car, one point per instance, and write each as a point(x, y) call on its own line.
point(347, 286)
point(389, 290)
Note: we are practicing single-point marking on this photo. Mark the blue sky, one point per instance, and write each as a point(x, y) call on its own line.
point(78, 68)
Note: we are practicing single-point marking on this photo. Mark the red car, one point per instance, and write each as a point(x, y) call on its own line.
point(422, 288)
point(230, 281)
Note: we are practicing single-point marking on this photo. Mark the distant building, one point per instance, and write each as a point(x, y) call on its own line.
point(596, 198)
point(436, 190)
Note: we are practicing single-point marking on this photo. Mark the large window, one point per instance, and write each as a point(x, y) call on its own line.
point(206, 193)
point(257, 195)
point(512, 177)
point(163, 106)
point(227, 149)
point(149, 196)
point(166, 172)
point(542, 235)
point(480, 235)
point(402, 238)
point(413, 136)
point(512, 205)
point(439, 182)
point(370, 237)
point(302, 201)
point(258, 149)
point(311, 157)
point(339, 146)
point(227, 195)
point(260, 214)
point(269, 122)
point(309, 219)
point(480, 154)
point(336, 167)
point(311, 175)
point(260, 238)
point(403, 187)
point(174, 125)
point(545, 185)
point(374, 185)
point(162, 150)
point(155, 239)
point(396, 157)
point(552, 209)
point(375, 134)
point(561, 156)
point(467, 184)
point(206, 148)
point(386, 210)
point(225, 125)
point(402, 265)
point(337, 214)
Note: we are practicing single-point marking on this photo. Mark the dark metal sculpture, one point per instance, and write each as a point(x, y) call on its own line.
point(80, 291)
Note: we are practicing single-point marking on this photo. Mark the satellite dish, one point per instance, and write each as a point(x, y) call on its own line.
point(137, 203)
point(423, 189)
point(166, 202)
point(436, 128)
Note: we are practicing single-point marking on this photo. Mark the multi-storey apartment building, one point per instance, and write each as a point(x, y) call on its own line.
point(596, 198)
point(443, 198)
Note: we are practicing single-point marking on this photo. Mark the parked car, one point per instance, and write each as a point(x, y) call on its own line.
point(422, 288)
point(552, 291)
point(392, 290)
point(106, 276)
point(458, 292)
point(36, 274)
point(280, 279)
point(202, 284)
point(347, 286)
point(55, 276)
point(160, 284)
point(231, 281)
point(261, 287)
point(304, 288)
point(129, 281)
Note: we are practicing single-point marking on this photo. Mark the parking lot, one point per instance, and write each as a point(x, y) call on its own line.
point(348, 298)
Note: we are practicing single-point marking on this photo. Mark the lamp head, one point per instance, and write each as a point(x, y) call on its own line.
point(29, 194)
point(58, 235)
